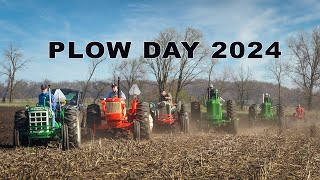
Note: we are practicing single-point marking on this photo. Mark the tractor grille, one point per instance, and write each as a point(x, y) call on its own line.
point(113, 107)
point(39, 121)
point(163, 110)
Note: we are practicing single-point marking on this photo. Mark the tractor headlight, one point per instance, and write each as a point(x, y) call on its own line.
point(27, 107)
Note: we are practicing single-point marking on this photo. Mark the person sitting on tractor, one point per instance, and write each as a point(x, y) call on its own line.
point(45, 100)
point(299, 111)
point(114, 92)
point(165, 97)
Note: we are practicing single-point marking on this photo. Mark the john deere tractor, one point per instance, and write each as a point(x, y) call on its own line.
point(267, 112)
point(214, 114)
point(34, 124)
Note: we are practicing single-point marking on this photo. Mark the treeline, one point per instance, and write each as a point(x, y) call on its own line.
point(195, 91)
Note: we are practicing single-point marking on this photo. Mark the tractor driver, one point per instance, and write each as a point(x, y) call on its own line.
point(114, 92)
point(299, 110)
point(166, 97)
point(266, 98)
point(44, 95)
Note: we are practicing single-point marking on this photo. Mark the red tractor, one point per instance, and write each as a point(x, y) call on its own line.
point(299, 114)
point(167, 115)
point(115, 117)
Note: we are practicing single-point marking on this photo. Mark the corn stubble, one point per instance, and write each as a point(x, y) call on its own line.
point(266, 153)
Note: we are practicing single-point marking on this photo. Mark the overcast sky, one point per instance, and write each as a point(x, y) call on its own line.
point(32, 24)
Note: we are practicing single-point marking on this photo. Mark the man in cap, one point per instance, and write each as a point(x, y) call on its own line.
point(44, 99)
point(165, 96)
point(114, 92)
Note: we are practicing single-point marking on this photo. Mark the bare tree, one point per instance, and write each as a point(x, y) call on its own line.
point(92, 69)
point(277, 70)
point(221, 81)
point(13, 62)
point(132, 70)
point(190, 68)
point(243, 81)
point(179, 72)
point(306, 68)
point(99, 87)
point(211, 65)
point(162, 68)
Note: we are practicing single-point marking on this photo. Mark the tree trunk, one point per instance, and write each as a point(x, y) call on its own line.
point(11, 90)
point(279, 93)
point(309, 101)
point(6, 92)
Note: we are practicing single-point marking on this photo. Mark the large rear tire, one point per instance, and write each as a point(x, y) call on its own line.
point(234, 124)
point(282, 123)
point(184, 119)
point(136, 131)
point(252, 115)
point(143, 114)
point(20, 124)
point(83, 116)
point(65, 138)
point(72, 120)
point(93, 115)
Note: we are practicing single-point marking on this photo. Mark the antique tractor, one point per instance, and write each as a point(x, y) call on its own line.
point(114, 117)
point(300, 113)
point(167, 115)
point(214, 115)
point(266, 113)
point(34, 125)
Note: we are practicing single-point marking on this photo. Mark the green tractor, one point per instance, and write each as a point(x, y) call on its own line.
point(215, 115)
point(266, 112)
point(34, 124)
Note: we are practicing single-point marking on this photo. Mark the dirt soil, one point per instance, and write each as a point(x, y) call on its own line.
point(262, 152)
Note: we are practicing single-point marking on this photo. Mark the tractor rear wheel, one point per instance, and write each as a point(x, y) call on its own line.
point(20, 122)
point(143, 114)
point(72, 120)
point(93, 115)
point(233, 125)
point(252, 114)
point(136, 131)
point(184, 119)
point(280, 117)
point(16, 138)
point(83, 116)
point(65, 137)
